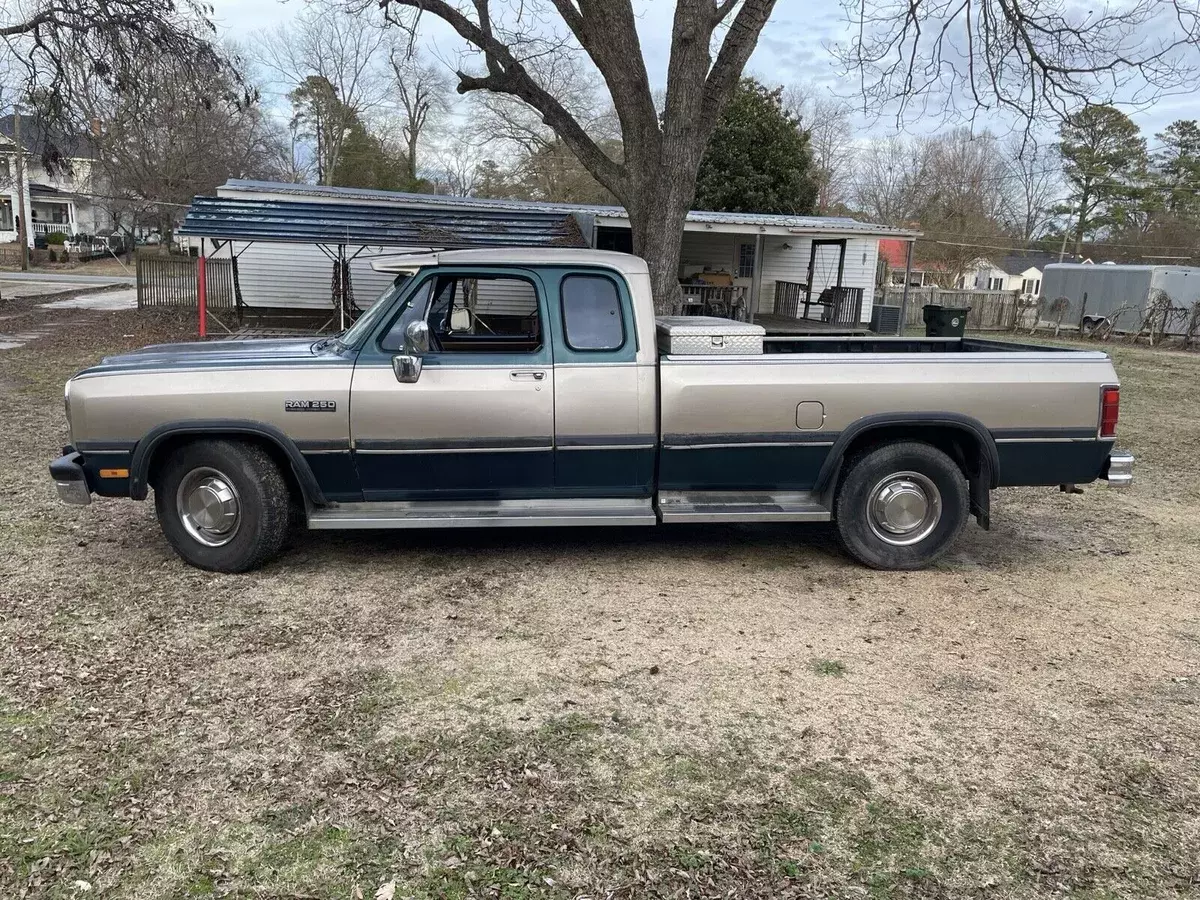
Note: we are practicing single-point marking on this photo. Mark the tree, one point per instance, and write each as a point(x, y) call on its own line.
point(366, 162)
point(56, 52)
point(961, 203)
point(1104, 164)
point(421, 88)
point(179, 132)
point(758, 159)
point(489, 180)
point(1177, 169)
point(656, 179)
point(1032, 185)
point(888, 182)
point(828, 121)
point(539, 164)
point(321, 116)
point(333, 66)
point(1035, 60)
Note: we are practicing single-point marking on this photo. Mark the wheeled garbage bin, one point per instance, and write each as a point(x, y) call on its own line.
point(944, 321)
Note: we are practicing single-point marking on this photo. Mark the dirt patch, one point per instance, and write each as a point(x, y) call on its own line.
point(675, 712)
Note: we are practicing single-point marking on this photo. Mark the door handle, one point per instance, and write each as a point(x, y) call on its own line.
point(527, 376)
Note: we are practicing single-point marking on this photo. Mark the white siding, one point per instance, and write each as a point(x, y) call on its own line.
point(300, 276)
point(504, 297)
point(786, 259)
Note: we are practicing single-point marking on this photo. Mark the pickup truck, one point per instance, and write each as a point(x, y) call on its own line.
point(536, 388)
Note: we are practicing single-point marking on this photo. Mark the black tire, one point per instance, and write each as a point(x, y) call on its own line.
point(871, 529)
point(261, 500)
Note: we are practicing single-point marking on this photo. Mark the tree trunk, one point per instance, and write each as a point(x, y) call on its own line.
point(412, 159)
point(657, 225)
point(1083, 202)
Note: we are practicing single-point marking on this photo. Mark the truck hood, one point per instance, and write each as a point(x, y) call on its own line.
point(204, 354)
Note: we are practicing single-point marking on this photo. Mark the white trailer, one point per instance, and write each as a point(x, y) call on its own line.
point(1096, 293)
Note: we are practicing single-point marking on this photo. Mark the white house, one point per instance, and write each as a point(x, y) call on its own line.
point(777, 265)
point(58, 201)
point(1021, 272)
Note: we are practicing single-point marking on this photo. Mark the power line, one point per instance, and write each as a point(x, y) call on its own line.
point(983, 237)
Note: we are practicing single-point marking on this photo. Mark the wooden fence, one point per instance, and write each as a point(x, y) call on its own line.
point(171, 281)
point(989, 310)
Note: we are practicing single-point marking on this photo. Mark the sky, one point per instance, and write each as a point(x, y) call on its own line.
point(794, 47)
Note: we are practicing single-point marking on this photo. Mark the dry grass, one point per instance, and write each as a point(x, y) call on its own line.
point(667, 713)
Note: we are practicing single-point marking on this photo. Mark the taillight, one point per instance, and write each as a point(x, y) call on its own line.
point(1110, 406)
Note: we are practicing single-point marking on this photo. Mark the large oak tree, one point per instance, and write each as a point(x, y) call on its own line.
point(56, 50)
point(711, 41)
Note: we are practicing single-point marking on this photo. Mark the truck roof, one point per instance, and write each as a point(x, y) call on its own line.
point(522, 256)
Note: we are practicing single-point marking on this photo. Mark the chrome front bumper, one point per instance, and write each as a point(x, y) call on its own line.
point(70, 479)
point(1118, 471)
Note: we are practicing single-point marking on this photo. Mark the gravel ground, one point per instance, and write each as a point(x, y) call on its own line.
point(673, 712)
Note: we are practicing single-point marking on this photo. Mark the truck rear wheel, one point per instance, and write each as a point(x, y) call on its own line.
point(901, 505)
point(223, 505)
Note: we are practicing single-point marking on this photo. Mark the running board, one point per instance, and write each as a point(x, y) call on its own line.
point(741, 506)
point(483, 514)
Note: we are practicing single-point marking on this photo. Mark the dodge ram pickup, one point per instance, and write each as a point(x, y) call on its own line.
point(532, 387)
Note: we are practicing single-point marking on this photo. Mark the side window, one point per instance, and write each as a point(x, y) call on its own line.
point(591, 308)
point(484, 314)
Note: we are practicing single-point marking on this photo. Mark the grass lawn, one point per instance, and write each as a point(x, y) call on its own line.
point(677, 712)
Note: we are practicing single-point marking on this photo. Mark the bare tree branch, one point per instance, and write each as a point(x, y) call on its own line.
point(1029, 57)
point(507, 75)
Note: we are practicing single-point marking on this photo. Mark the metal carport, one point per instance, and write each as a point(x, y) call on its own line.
point(336, 219)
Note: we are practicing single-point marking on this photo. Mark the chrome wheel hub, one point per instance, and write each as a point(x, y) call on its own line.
point(904, 508)
point(209, 507)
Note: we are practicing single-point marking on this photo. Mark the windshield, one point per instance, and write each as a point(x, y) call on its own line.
point(354, 335)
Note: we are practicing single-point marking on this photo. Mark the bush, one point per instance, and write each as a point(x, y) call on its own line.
point(56, 239)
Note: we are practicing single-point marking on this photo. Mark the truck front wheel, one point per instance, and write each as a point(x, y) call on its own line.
point(223, 505)
point(901, 505)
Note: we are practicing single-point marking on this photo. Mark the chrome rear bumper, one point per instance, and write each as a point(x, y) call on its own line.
point(1118, 471)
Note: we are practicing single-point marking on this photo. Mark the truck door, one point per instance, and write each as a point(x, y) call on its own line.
point(604, 437)
point(478, 423)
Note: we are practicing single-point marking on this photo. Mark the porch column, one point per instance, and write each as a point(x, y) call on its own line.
point(904, 296)
point(756, 281)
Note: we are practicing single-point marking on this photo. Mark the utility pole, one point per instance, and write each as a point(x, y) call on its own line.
point(22, 225)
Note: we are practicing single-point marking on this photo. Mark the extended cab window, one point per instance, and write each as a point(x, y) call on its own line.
point(485, 314)
point(591, 308)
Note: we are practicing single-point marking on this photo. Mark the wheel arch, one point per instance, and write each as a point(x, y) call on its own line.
point(963, 438)
point(148, 454)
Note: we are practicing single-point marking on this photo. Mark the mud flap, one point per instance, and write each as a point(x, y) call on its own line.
point(981, 495)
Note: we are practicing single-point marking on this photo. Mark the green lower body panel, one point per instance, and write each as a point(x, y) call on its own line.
point(1051, 462)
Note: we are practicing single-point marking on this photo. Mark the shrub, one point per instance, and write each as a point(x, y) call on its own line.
point(56, 239)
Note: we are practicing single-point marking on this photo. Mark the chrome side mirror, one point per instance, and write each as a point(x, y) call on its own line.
point(416, 337)
point(407, 368)
point(407, 365)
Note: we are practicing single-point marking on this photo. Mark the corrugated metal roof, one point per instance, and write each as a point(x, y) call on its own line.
point(393, 224)
point(815, 224)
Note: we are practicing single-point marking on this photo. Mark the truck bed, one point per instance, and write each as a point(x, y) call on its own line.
point(768, 421)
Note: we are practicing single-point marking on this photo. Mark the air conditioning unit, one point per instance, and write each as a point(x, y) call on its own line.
point(885, 319)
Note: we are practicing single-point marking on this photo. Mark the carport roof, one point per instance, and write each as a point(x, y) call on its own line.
point(697, 220)
point(313, 218)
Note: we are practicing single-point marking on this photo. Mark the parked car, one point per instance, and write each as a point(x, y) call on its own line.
point(535, 387)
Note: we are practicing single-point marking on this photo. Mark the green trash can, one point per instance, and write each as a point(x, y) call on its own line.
point(944, 321)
